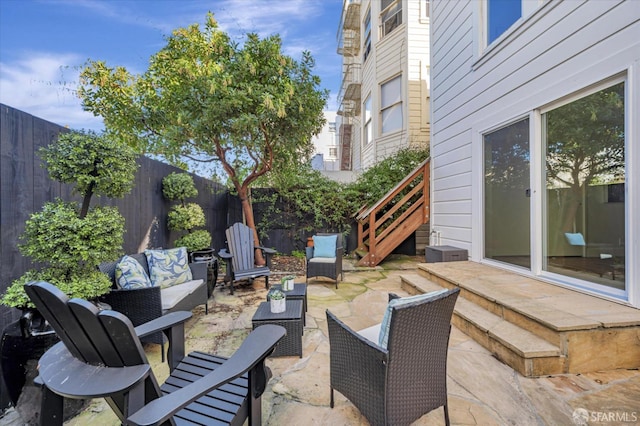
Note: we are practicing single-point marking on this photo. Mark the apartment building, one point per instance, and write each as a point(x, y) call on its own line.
point(384, 95)
point(325, 144)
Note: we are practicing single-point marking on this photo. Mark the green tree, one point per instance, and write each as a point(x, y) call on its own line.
point(207, 98)
point(585, 145)
point(69, 240)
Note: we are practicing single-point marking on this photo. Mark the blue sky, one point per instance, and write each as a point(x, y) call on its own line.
point(44, 43)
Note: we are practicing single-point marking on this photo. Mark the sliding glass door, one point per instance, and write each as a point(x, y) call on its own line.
point(507, 195)
point(584, 202)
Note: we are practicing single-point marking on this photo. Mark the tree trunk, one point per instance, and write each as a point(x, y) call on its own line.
point(243, 193)
point(86, 201)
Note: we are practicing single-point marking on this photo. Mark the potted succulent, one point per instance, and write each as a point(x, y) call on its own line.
point(277, 299)
point(287, 283)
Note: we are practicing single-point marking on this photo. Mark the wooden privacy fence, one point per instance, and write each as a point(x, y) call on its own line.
point(25, 187)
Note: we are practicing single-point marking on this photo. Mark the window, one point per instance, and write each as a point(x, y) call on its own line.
point(501, 14)
point(391, 108)
point(424, 9)
point(368, 130)
point(584, 205)
point(332, 126)
point(391, 16)
point(333, 152)
point(367, 36)
point(506, 195)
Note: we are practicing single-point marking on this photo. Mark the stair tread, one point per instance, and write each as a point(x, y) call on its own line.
point(517, 339)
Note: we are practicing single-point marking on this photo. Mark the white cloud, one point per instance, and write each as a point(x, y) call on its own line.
point(238, 17)
point(44, 85)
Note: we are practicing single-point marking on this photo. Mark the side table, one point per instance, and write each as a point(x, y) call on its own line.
point(291, 320)
point(299, 292)
point(207, 256)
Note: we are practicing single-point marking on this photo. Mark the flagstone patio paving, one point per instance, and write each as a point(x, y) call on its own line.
point(482, 390)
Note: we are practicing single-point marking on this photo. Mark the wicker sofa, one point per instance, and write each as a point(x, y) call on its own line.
point(145, 304)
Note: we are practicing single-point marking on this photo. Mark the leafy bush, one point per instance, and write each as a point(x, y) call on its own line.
point(380, 178)
point(178, 187)
point(85, 284)
point(195, 240)
point(56, 235)
point(309, 200)
point(186, 217)
point(94, 163)
point(70, 240)
point(315, 203)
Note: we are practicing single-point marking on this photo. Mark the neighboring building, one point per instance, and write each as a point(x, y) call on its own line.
point(384, 95)
point(327, 155)
point(326, 145)
point(535, 132)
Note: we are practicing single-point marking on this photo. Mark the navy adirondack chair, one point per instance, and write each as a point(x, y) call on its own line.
point(100, 356)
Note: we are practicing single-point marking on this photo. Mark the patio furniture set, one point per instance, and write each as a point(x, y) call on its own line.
point(393, 373)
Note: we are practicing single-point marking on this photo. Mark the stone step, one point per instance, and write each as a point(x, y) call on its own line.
point(522, 350)
point(592, 333)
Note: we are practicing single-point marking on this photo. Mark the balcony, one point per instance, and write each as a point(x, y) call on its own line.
point(351, 15)
point(349, 96)
point(351, 82)
point(348, 108)
point(349, 44)
point(349, 31)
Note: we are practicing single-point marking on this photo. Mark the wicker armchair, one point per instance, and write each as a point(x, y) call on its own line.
point(408, 379)
point(330, 267)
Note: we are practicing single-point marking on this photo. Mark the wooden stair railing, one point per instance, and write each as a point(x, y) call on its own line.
point(389, 222)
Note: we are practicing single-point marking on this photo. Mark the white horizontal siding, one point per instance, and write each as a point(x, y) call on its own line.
point(561, 48)
point(452, 207)
point(552, 46)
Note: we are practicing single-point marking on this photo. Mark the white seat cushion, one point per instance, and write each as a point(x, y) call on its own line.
point(322, 260)
point(172, 295)
point(371, 333)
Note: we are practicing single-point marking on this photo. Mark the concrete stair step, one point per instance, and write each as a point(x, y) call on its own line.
point(522, 350)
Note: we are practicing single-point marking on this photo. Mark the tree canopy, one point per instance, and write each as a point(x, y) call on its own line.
point(208, 98)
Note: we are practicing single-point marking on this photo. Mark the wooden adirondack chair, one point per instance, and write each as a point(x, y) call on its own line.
point(100, 356)
point(240, 258)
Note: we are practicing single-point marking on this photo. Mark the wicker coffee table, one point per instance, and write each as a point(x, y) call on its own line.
point(299, 292)
point(291, 320)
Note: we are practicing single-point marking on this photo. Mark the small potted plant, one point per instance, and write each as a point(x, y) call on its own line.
point(287, 283)
point(277, 301)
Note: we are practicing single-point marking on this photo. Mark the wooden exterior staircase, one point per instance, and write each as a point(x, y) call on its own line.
point(389, 222)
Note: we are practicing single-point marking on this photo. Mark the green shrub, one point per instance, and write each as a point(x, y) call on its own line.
point(70, 240)
point(195, 240)
point(185, 218)
point(85, 284)
point(57, 236)
point(316, 203)
point(380, 178)
point(94, 163)
point(178, 187)
point(70, 247)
